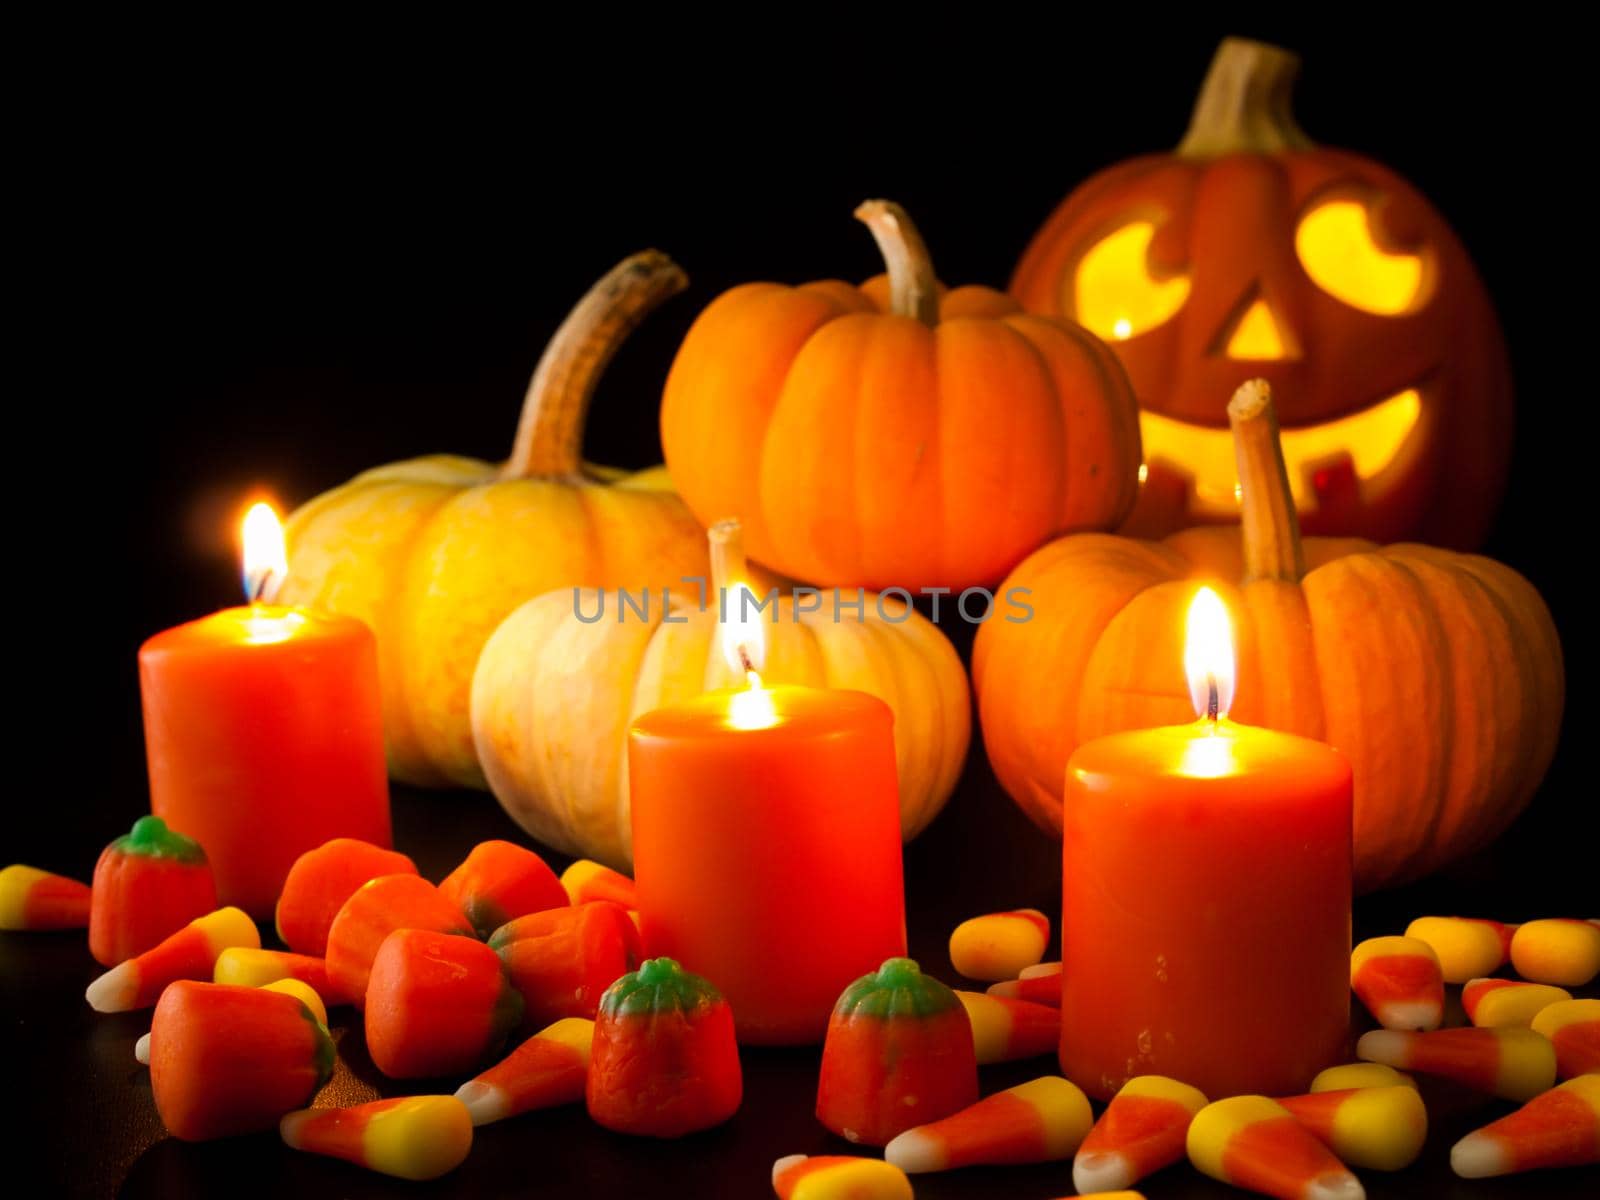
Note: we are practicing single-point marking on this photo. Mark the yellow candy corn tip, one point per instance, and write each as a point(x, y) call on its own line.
point(1380, 1128)
point(576, 1032)
point(1162, 1087)
point(1062, 1107)
point(1105, 1171)
point(115, 990)
point(856, 1178)
point(141, 1050)
point(420, 1139)
point(485, 1103)
point(302, 992)
point(228, 927)
point(15, 881)
point(1360, 1075)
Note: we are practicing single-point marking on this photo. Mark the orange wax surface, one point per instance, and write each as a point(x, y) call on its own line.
point(766, 846)
point(264, 737)
point(1206, 910)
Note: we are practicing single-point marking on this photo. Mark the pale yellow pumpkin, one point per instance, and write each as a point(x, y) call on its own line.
point(554, 695)
point(433, 552)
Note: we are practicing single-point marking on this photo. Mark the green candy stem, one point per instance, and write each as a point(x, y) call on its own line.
point(150, 838)
point(659, 985)
point(896, 989)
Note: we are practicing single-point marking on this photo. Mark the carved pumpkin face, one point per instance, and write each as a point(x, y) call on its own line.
point(1250, 253)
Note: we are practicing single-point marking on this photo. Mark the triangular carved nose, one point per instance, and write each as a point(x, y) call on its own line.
point(1256, 335)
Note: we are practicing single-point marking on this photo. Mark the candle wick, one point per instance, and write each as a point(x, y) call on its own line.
point(1212, 700)
point(745, 663)
point(258, 586)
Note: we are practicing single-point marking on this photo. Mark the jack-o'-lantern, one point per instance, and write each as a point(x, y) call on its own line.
point(1248, 253)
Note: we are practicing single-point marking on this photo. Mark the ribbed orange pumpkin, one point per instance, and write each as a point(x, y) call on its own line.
point(893, 436)
point(1438, 674)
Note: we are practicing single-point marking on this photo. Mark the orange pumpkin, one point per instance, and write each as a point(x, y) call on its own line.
point(1438, 674)
point(1250, 252)
point(896, 435)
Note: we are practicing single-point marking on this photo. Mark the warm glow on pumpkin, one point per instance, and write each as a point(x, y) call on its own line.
point(1208, 655)
point(1334, 242)
point(1372, 438)
point(266, 559)
point(1257, 336)
point(1114, 294)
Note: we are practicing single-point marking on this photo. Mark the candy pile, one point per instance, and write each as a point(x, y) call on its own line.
point(503, 952)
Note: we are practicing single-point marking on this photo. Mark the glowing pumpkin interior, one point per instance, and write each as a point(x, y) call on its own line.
point(1117, 296)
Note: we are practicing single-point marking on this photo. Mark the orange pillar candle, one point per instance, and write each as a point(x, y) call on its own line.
point(766, 842)
point(1206, 898)
point(263, 731)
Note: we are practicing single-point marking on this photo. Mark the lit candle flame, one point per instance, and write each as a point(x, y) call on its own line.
point(744, 643)
point(266, 561)
point(1208, 655)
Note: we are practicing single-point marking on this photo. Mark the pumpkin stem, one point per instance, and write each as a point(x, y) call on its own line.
point(1269, 525)
point(913, 288)
point(550, 433)
point(1245, 103)
point(728, 563)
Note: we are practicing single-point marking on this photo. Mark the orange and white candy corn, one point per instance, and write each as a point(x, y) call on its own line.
point(1557, 950)
point(1142, 1130)
point(1467, 947)
point(1495, 1002)
point(413, 1137)
point(1515, 1064)
point(1253, 1142)
point(999, 946)
point(1359, 1075)
point(1573, 1027)
point(1037, 985)
point(1560, 1128)
point(191, 953)
point(1399, 980)
point(550, 1068)
point(1378, 1127)
point(1042, 1120)
point(31, 899)
point(838, 1177)
point(587, 880)
point(1004, 1030)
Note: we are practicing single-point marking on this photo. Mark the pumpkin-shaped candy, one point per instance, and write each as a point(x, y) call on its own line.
point(1439, 675)
point(892, 435)
point(433, 552)
point(564, 676)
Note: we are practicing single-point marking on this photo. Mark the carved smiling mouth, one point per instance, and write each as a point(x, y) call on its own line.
point(1371, 441)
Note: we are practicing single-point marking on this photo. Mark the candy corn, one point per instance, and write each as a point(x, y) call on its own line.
point(1573, 1027)
point(1399, 980)
point(1253, 1142)
point(1512, 1063)
point(1359, 1075)
point(1042, 1120)
point(998, 946)
point(148, 884)
point(548, 1069)
point(375, 910)
point(1036, 985)
point(1507, 1001)
point(1560, 1128)
point(563, 959)
point(1142, 1130)
point(253, 967)
point(413, 1137)
point(1467, 947)
point(664, 1062)
point(587, 880)
point(191, 953)
point(1378, 1127)
point(1557, 950)
point(499, 882)
point(898, 1054)
point(838, 1177)
point(1003, 1030)
point(36, 900)
point(436, 1004)
point(319, 883)
point(227, 1060)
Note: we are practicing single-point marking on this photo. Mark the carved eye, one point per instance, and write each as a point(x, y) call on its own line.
point(1113, 292)
point(1334, 242)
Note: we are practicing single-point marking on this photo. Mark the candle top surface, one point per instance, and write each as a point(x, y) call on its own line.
point(1205, 751)
point(254, 625)
point(783, 710)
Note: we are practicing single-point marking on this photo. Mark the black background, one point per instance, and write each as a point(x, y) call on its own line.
point(272, 257)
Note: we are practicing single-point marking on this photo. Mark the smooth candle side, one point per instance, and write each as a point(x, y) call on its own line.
point(1206, 910)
